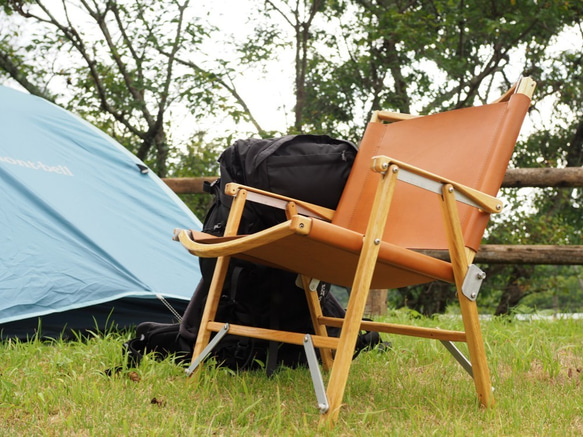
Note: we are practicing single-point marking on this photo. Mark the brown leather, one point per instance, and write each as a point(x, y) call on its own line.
point(472, 146)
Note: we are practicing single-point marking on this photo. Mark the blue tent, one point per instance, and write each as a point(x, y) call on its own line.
point(85, 228)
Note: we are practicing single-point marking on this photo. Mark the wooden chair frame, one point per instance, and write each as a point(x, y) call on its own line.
point(466, 277)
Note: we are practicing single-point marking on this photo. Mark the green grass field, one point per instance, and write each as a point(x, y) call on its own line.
point(416, 389)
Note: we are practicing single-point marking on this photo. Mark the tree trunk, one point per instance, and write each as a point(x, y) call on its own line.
point(376, 304)
point(514, 291)
point(429, 299)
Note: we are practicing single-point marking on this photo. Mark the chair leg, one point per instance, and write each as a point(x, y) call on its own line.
point(211, 306)
point(344, 353)
point(359, 293)
point(475, 342)
point(219, 275)
point(461, 258)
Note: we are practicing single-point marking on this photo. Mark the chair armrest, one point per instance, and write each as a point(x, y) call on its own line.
point(432, 182)
point(279, 201)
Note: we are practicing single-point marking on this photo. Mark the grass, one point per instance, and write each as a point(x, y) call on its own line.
point(60, 389)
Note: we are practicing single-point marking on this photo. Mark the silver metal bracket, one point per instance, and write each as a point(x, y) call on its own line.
point(457, 354)
point(317, 380)
point(473, 282)
point(314, 284)
point(208, 349)
point(431, 185)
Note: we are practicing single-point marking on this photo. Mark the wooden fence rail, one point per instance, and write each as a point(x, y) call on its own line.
point(522, 254)
point(571, 177)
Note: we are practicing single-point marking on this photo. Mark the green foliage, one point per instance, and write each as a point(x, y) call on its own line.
point(200, 159)
point(542, 288)
point(133, 67)
point(556, 287)
point(392, 54)
point(117, 64)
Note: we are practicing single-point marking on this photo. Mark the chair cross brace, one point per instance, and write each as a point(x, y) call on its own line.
point(312, 359)
point(317, 380)
point(459, 356)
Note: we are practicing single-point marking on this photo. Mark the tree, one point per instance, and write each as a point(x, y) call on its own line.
point(200, 158)
point(427, 56)
point(116, 63)
point(279, 25)
point(393, 51)
point(104, 55)
point(127, 65)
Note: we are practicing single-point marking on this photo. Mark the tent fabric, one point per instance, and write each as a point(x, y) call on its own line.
point(113, 315)
point(82, 221)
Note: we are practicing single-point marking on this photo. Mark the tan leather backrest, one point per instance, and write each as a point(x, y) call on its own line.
point(472, 146)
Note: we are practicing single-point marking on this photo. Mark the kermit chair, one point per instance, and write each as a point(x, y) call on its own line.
point(419, 183)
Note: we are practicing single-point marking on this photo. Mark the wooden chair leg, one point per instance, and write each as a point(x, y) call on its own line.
point(359, 293)
point(219, 275)
point(481, 373)
point(461, 258)
point(211, 306)
point(345, 352)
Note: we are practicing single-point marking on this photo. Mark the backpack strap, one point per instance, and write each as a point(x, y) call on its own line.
point(275, 308)
point(266, 152)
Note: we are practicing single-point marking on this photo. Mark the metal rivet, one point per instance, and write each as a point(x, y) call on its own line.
point(395, 169)
point(385, 165)
point(450, 189)
point(473, 295)
point(498, 207)
point(301, 225)
point(481, 275)
point(377, 241)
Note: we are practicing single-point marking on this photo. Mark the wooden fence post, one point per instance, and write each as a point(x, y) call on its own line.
point(376, 304)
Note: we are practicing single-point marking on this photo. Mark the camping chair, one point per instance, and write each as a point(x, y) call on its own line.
point(418, 183)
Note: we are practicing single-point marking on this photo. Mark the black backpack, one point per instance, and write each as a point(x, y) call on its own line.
point(312, 168)
point(305, 167)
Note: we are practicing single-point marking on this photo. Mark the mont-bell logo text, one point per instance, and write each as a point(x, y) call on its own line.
point(38, 165)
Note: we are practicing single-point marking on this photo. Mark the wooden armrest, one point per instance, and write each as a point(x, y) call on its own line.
point(432, 182)
point(279, 201)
